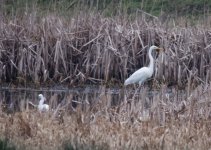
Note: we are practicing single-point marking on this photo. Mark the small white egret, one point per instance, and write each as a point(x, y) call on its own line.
point(42, 107)
point(143, 73)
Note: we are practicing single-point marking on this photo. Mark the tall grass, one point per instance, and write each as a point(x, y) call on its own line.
point(89, 48)
point(164, 121)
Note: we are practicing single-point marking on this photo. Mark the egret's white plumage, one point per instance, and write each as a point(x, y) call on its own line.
point(143, 73)
point(42, 107)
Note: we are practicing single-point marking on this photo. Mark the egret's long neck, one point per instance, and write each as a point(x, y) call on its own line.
point(151, 63)
point(41, 101)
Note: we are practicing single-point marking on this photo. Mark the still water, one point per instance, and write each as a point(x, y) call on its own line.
point(16, 99)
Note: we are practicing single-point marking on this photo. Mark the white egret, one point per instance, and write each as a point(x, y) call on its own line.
point(143, 73)
point(42, 107)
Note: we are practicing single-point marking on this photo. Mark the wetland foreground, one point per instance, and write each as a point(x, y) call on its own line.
point(103, 118)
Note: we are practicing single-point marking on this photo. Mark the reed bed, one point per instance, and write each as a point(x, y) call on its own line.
point(89, 48)
point(171, 121)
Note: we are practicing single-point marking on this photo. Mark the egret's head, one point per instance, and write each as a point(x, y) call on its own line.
point(156, 48)
point(40, 96)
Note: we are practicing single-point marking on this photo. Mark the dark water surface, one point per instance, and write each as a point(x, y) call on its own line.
point(15, 99)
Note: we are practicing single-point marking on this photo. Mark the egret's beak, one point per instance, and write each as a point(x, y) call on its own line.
point(159, 50)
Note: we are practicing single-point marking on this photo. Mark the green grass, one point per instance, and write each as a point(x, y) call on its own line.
point(110, 8)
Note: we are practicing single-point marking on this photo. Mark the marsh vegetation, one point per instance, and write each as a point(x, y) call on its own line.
point(107, 120)
point(79, 43)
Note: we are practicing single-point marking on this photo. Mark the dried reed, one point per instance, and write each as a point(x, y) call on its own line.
point(164, 121)
point(93, 49)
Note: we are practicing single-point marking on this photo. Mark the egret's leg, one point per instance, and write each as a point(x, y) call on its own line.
point(141, 87)
point(138, 89)
point(125, 94)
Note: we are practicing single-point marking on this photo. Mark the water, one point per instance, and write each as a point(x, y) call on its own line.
point(17, 99)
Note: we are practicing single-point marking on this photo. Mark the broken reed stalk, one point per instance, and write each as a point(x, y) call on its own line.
point(91, 49)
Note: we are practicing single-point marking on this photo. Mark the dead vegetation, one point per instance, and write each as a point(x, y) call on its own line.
point(164, 121)
point(93, 49)
point(89, 48)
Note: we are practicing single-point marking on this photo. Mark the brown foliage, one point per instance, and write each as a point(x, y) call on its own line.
point(170, 120)
point(91, 48)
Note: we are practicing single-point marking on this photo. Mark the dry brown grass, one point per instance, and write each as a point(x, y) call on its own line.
point(176, 121)
point(91, 49)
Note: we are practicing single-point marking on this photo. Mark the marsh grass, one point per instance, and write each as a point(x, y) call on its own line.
point(89, 48)
point(162, 121)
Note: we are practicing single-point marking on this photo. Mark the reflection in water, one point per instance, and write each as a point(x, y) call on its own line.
point(19, 99)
